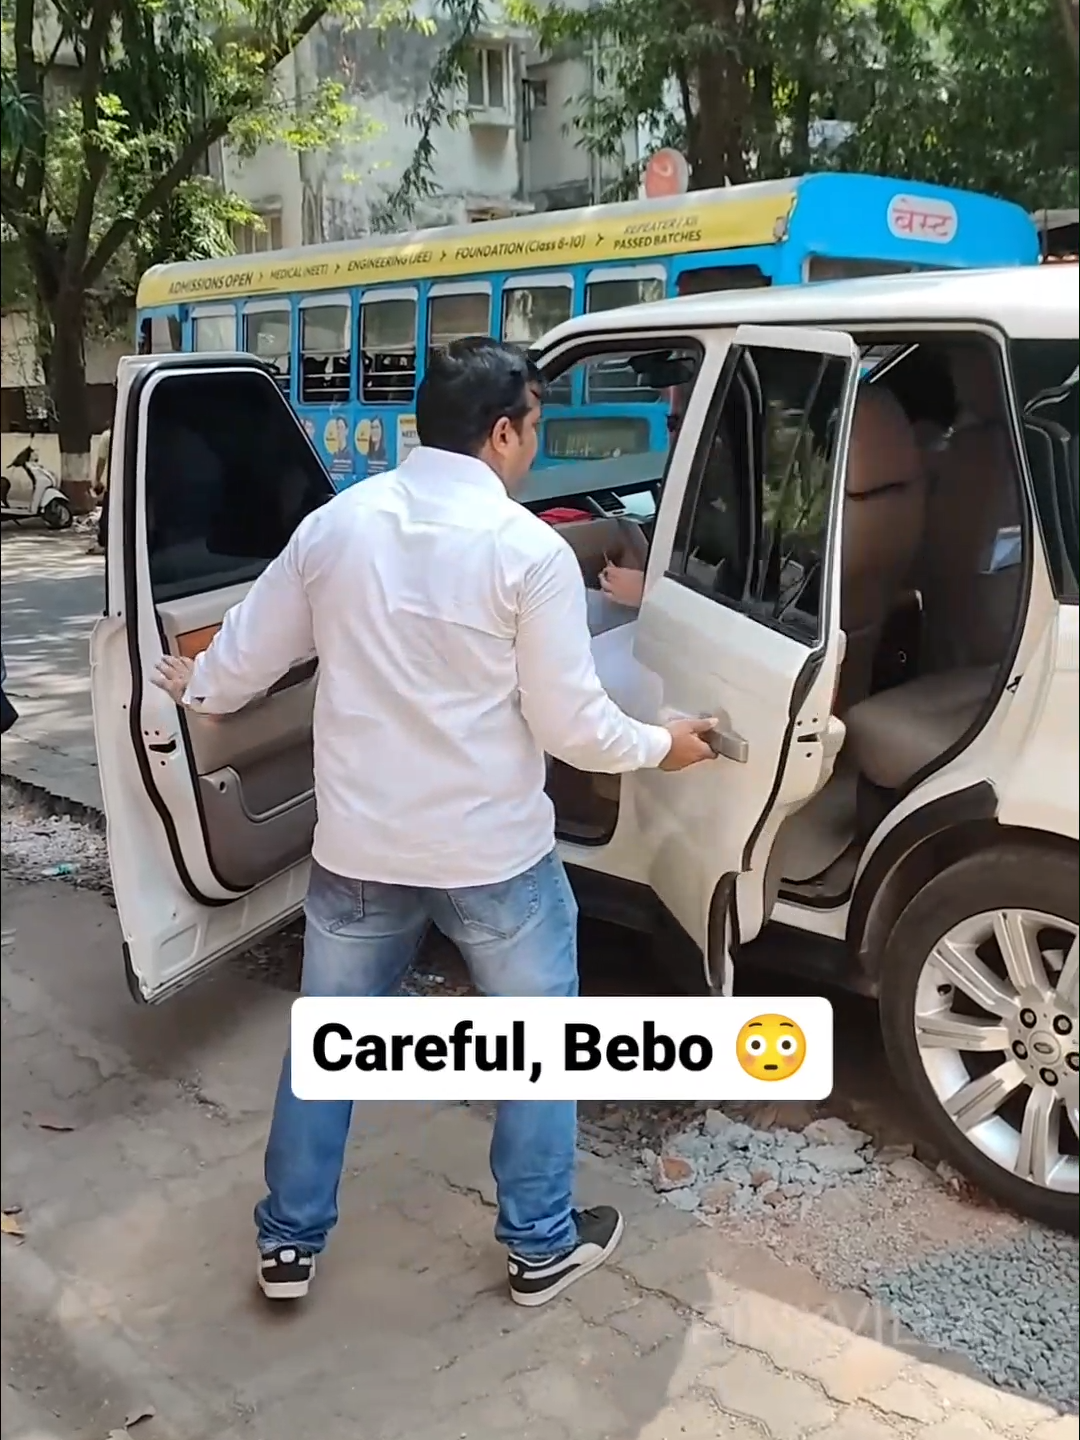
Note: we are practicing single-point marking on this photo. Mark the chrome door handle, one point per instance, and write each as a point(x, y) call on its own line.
point(726, 745)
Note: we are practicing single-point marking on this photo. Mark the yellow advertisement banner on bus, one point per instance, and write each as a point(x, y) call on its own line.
point(587, 238)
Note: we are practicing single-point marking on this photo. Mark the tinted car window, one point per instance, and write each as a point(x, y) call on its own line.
point(1047, 392)
point(229, 476)
point(755, 522)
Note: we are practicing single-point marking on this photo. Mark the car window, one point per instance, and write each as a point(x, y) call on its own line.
point(754, 524)
point(229, 476)
point(1045, 377)
point(649, 390)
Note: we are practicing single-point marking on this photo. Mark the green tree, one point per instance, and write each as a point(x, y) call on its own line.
point(984, 97)
point(110, 111)
point(979, 93)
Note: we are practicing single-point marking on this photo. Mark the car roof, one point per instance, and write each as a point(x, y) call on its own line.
point(1026, 302)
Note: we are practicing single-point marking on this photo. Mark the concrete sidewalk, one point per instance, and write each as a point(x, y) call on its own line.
point(53, 592)
point(132, 1147)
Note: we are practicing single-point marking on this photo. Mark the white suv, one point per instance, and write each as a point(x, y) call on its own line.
point(861, 554)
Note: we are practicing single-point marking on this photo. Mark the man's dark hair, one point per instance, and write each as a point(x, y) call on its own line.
point(468, 388)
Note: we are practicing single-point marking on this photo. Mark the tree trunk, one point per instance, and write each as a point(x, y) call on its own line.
point(723, 101)
point(67, 383)
point(1069, 11)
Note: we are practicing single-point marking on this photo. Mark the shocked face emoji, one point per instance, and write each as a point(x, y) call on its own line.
point(770, 1047)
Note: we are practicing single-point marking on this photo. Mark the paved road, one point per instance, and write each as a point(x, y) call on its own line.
point(131, 1152)
point(53, 591)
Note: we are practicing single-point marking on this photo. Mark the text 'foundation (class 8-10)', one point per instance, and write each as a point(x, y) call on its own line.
point(585, 1048)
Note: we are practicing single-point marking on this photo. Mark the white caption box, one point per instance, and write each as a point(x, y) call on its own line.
point(591, 1048)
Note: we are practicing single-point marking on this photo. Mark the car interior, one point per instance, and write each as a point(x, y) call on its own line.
point(605, 509)
point(932, 579)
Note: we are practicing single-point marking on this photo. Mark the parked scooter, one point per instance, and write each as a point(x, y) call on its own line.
point(46, 500)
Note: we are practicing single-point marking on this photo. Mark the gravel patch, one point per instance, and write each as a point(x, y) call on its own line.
point(956, 1272)
point(725, 1164)
point(1011, 1308)
point(37, 845)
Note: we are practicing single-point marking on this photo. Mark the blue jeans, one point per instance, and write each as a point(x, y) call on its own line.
point(518, 938)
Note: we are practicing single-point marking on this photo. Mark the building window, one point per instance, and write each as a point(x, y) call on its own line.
point(254, 239)
point(487, 78)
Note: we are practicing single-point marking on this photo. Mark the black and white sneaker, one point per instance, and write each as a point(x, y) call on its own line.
point(285, 1273)
point(535, 1282)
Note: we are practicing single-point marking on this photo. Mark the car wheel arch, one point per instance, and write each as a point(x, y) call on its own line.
point(926, 842)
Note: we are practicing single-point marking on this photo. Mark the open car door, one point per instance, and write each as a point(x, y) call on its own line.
point(741, 620)
point(209, 820)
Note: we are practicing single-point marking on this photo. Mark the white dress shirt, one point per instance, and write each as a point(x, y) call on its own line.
point(454, 651)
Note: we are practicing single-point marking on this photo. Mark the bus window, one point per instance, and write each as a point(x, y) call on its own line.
point(818, 267)
point(455, 311)
point(711, 278)
point(634, 428)
point(388, 348)
point(608, 290)
point(214, 329)
point(531, 306)
point(534, 305)
point(160, 335)
point(325, 351)
point(268, 334)
point(611, 381)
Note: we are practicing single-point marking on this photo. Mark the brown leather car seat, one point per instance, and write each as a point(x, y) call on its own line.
point(973, 497)
point(884, 508)
point(596, 542)
point(894, 734)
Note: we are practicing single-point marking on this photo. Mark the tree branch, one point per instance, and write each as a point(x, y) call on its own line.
point(121, 230)
point(201, 142)
point(31, 86)
point(288, 42)
point(97, 37)
point(690, 125)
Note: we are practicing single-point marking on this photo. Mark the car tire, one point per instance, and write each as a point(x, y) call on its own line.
point(1041, 880)
point(58, 515)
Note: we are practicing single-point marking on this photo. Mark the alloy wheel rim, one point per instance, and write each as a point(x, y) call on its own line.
point(998, 1034)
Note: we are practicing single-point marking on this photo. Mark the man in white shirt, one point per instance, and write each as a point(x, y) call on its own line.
point(450, 629)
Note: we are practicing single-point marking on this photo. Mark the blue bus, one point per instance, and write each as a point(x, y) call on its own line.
point(347, 326)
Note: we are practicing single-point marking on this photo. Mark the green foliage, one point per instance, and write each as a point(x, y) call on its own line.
point(985, 97)
point(111, 110)
point(111, 107)
point(977, 93)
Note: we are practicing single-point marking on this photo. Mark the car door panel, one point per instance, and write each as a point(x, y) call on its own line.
point(769, 683)
point(220, 809)
point(255, 768)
